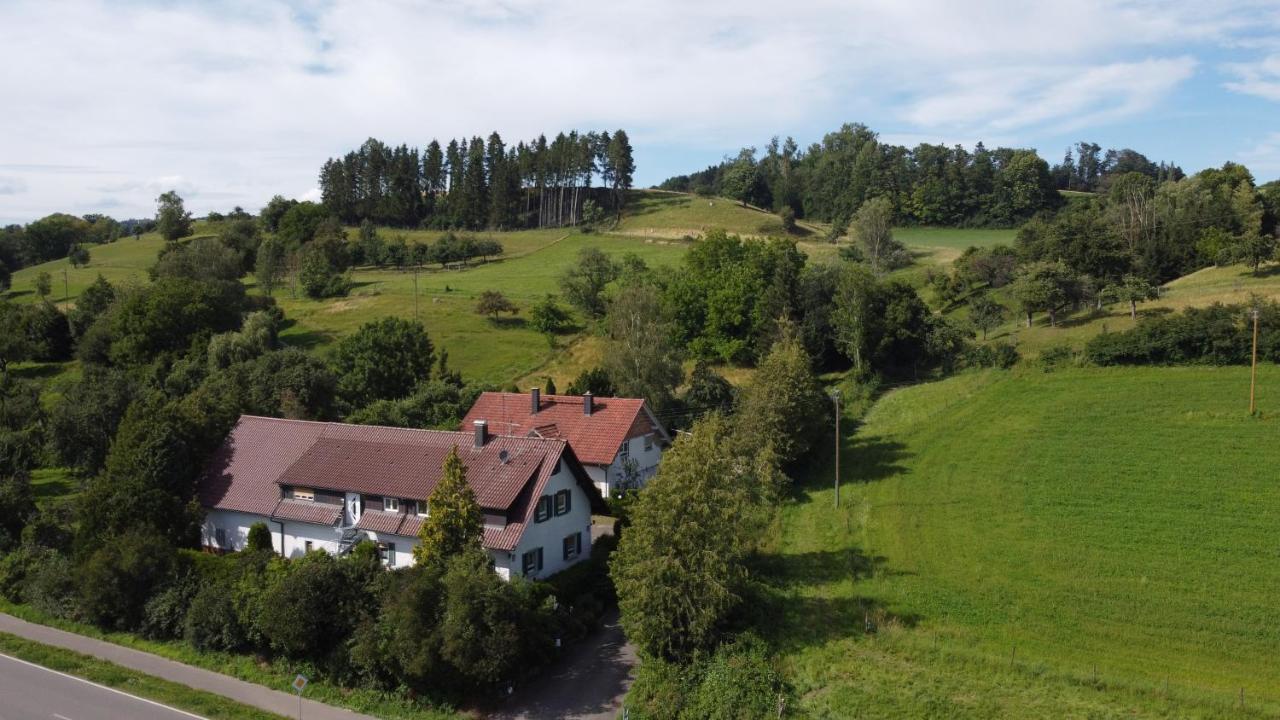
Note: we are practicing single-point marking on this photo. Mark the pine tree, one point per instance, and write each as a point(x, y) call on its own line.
point(454, 521)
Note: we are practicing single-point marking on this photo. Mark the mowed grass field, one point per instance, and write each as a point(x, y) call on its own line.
point(1041, 545)
point(483, 350)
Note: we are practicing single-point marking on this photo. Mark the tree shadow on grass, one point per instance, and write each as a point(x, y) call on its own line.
point(789, 608)
point(302, 339)
point(37, 371)
point(508, 323)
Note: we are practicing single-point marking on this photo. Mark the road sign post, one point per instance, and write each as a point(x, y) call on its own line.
point(299, 684)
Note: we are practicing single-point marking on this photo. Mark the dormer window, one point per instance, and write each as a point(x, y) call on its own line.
point(304, 494)
point(415, 507)
point(391, 504)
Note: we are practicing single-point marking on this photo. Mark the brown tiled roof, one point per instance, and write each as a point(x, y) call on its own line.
point(383, 522)
point(408, 463)
point(595, 438)
point(308, 512)
point(262, 454)
point(241, 476)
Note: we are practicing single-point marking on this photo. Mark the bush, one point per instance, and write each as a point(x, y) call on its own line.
point(739, 682)
point(995, 355)
point(166, 612)
point(1215, 335)
point(259, 537)
point(212, 623)
point(660, 691)
point(50, 585)
point(1056, 356)
point(118, 578)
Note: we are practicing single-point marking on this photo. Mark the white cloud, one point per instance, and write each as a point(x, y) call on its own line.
point(1264, 156)
point(10, 185)
point(1066, 96)
point(243, 100)
point(1261, 78)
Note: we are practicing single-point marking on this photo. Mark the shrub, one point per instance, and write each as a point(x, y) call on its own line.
point(166, 612)
point(660, 691)
point(740, 681)
point(212, 623)
point(50, 585)
point(118, 578)
point(1056, 356)
point(259, 537)
point(995, 355)
point(1214, 335)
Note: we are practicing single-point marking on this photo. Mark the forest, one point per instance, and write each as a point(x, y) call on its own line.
point(481, 183)
point(928, 184)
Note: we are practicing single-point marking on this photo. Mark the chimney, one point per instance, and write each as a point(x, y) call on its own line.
point(482, 433)
point(588, 403)
point(535, 399)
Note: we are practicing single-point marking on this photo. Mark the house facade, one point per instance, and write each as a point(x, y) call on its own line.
point(619, 440)
point(329, 486)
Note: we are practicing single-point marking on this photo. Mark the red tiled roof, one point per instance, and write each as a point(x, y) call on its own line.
point(317, 513)
point(595, 438)
point(380, 521)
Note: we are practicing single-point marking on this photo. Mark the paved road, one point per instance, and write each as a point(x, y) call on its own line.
point(31, 692)
point(587, 684)
point(257, 696)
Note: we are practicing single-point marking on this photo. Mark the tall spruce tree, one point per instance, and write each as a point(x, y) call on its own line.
point(454, 521)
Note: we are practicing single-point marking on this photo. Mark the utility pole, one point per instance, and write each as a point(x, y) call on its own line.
point(835, 397)
point(415, 291)
point(66, 295)
point(1253, 371)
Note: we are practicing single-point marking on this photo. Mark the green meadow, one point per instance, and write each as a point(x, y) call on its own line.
point(1082, 543)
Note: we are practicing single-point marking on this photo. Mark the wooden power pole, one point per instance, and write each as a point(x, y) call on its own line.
point(1253, 371)
point(835, 397)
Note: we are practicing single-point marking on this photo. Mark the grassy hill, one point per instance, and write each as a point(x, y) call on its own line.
point(1041, 545)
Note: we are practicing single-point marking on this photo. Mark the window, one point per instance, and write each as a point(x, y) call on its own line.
point(625, 450)
point(414, 507)
point(648, 442)
point(573, 546)
point(422, 508)
point(220, 537)
point(531, 562)
point(543, 513)
point(562, 502)
point(391, 504)
point(304, 494)
point(306, 546)
point(387, 552)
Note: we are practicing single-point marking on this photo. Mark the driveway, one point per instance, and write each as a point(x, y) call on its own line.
point(588, 683)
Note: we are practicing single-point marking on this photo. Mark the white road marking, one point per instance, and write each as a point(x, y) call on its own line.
point(104, 687)
point(60, 717)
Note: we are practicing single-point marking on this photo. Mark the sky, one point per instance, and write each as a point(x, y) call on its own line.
point(108, 104)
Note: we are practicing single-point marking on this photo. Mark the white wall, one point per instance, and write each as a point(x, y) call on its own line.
point(235, 526)
point(404, 546)
point(549, 535)
point(322, 537)
point(646, 462)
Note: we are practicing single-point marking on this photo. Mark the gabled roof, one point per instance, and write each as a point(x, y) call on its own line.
point(263, 454)
point(595, 438)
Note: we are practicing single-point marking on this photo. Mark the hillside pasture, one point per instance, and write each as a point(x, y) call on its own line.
point(1040, 545)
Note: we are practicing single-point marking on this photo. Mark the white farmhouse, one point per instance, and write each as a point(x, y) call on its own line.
point(618, 440)
point(327, 486)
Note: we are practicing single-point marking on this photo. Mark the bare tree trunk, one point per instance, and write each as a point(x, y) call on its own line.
point(1133, 309)
point(1028, 319)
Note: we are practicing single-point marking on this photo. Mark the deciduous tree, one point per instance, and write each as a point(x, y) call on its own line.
point(172, 219)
